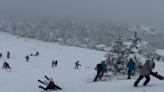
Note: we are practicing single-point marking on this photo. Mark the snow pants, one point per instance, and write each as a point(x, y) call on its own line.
point(97, 76)
point(129, 74)
point(140, 78)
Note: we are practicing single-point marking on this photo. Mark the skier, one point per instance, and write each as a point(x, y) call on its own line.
point(0, 55)
point(8, 54)
point(6, 66)
point(50, 84)
point(131, 67)
point(27, 58)
point(99, 69)
point(77, 65)
point(145, 72)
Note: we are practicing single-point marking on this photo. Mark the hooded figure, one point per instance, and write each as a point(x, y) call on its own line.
point(145, 72)
point(50, 84)
point(131, 67)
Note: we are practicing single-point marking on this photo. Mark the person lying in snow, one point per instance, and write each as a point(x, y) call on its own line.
point(37, 53)
point(50, 84)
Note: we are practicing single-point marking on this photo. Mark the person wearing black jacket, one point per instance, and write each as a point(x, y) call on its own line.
point(99, 69)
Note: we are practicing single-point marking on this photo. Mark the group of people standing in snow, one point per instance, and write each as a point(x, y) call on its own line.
point(145, 70)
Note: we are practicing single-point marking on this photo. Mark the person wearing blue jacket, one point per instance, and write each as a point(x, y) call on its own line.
point(131, 67)
point(103, 69)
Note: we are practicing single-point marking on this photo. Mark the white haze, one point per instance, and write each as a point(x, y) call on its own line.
point(147, 12)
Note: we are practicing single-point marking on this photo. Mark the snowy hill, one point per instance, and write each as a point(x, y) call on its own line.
point(24, 75)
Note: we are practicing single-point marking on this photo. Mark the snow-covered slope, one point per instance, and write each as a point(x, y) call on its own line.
point(24, 75)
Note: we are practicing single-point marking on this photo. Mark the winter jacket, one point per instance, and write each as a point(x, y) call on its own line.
point(99, 67)
point(131, 65)
point(104, 66)
point(146, 69)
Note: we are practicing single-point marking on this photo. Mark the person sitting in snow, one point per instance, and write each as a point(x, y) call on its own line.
point(0, 55)
point(131, 67)
point(6, 66)
point(145, 72)
point(77, 65)
point(50, 84)
point(37, 53)
point(8, 54)
point(27, 58)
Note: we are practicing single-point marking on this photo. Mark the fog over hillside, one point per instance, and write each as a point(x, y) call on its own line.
point(100, 21)
point(147, 12)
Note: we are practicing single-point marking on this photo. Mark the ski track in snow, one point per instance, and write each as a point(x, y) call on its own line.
point(24, 75)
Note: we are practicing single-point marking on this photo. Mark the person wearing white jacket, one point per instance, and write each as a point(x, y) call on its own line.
point(50, 84)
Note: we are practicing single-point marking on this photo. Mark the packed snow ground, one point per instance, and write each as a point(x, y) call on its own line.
point(24, 75)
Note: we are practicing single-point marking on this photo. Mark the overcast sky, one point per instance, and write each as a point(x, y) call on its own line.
point(147, 12)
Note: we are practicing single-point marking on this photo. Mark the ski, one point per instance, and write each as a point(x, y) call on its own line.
point(41, 82)
point(46, 77)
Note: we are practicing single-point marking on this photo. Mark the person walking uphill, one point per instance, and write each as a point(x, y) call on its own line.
point(145, 72)
point(77, 65)
point(131, 67)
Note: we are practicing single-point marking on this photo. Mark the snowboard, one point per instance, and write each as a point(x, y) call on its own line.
point(96, 81)
point(155, 74)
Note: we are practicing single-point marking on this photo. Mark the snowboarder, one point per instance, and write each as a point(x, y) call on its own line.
point(145, 72)
point(99, 69)
point(0, 55)
point(77, 65)
point(50, 84)
point(27, 58)
point(131, 67)
point(8, 54)
point(6, 66)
